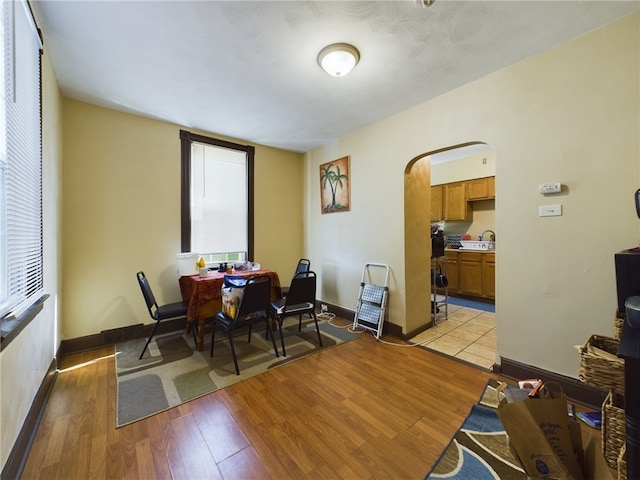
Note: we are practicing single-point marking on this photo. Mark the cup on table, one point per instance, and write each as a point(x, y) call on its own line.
point(204, 271)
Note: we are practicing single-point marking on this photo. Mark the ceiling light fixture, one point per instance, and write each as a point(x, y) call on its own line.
point(338, 59)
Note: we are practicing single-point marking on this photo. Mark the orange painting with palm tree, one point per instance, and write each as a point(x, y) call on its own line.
point(334, 186)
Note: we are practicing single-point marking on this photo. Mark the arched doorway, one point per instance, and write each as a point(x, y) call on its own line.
point(417, 222)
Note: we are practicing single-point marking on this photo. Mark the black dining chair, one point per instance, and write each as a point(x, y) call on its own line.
point(160, 312)
point(253, 309)
point(304, 265)
point(301, 299)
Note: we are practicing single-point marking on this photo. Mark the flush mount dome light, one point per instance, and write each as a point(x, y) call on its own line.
point(338, 59)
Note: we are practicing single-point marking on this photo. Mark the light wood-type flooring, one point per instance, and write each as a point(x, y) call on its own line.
point(361, 410)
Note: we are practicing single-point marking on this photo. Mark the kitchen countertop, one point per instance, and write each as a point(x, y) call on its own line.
point(468, 250)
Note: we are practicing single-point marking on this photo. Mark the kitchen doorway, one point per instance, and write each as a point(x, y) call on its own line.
point(451, 336)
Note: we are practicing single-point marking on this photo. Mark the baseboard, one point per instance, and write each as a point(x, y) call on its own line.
point(413, 333)
point(113, 336)
point(387, 329)
point(573, 388)
point(17, 459)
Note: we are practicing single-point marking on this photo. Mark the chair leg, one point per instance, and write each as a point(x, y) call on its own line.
point(315, 319)
point(273, 337)
point(284, 353)
point(233, 353)
point(149, 339)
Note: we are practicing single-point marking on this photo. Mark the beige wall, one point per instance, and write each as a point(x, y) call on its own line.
point(122, 214)
point(569, 115)
point(24, 363)
point(474, 166)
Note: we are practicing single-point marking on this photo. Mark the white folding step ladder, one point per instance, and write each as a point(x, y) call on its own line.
point(372, 299)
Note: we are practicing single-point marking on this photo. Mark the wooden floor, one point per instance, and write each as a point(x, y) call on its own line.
point(361, 410)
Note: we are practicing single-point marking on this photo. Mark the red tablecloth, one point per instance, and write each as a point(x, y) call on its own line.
point(205, 296)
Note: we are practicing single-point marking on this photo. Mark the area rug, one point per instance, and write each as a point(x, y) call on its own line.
point(463, 302)
point(172, 372)
point(479, 449)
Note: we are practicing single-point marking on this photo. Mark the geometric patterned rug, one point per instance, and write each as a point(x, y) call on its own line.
point(172, 371)
point(479, 449)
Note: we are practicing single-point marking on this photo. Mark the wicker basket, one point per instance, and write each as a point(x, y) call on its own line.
point(622, 463)
point(618, 322)
point(599, 364)
point(613, 428)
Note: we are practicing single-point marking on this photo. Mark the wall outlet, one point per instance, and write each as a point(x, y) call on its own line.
point(323, 308)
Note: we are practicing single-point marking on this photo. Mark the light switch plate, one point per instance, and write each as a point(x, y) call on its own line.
point(550, 210)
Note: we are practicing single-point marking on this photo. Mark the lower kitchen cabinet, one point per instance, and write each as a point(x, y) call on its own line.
point(471, 273)
point(489, 276)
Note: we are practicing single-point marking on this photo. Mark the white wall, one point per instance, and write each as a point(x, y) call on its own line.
point(569, 115)
point(24, 363)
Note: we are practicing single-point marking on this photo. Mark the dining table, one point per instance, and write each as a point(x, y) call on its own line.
point(204, 294)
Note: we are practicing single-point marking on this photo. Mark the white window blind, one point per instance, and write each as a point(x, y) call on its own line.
point(219, 201)
point(20, 161)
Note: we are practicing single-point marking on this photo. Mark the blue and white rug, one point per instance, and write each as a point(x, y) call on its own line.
point(479, 449)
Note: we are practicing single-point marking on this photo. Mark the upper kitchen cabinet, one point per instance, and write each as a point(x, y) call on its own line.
point(456, 206)
point(481, 189)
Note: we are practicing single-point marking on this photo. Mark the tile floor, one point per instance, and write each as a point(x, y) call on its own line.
point(467, 334)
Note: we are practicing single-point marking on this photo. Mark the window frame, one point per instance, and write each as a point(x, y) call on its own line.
point(13, 322)
point(186, 139)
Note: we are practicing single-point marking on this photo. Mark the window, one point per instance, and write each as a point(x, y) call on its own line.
point(217, 198)
point(21, 284)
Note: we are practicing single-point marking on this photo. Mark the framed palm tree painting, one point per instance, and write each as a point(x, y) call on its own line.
point(334, 186)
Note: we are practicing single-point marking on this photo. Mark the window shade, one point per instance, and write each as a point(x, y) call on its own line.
point(219, 200)
point(21, 280)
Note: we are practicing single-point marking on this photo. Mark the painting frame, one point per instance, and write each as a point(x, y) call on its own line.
point(335, 186)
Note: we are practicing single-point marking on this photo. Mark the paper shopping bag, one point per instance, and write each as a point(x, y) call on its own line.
point(543, 436)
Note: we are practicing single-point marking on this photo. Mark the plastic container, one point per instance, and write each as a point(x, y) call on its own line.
point(187, 263)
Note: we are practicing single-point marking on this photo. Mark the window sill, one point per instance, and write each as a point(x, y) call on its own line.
point(9, 329)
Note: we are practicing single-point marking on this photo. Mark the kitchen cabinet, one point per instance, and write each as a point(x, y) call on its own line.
point(452, 270)
point(471, 274)
point(489, 276)
point(453, 201)
point(437, 203)
point(456, 207)
point(481, 189)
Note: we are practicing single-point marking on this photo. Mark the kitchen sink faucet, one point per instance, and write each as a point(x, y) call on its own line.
point(493, 236)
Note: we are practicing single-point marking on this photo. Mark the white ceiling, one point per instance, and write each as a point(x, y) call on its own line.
point(247, 69)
